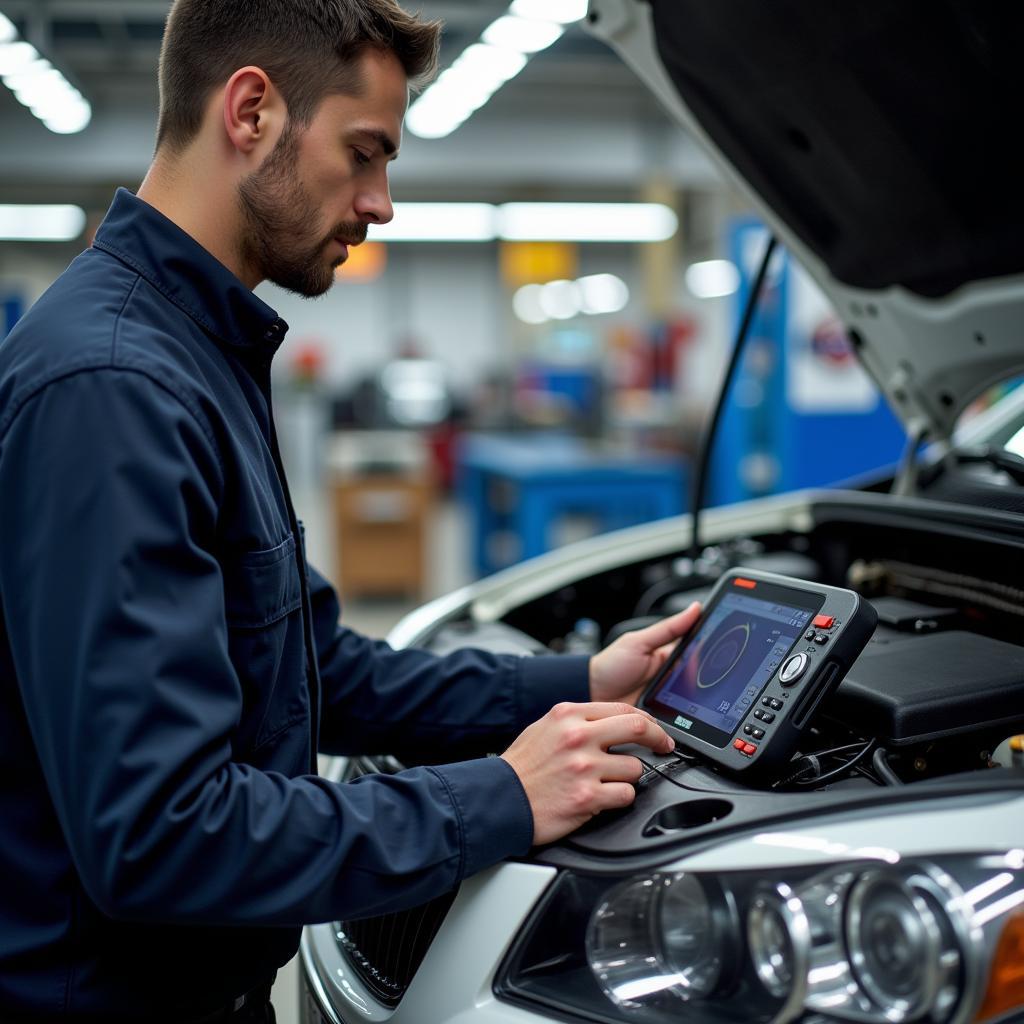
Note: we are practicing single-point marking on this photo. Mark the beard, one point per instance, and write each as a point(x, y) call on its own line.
point(281, 218)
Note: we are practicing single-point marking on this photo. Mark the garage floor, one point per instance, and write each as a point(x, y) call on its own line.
point(447, 569)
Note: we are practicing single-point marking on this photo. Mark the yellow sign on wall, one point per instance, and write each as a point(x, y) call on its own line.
point(537, 262)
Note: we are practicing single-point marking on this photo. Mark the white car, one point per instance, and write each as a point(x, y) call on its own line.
point(880, 877)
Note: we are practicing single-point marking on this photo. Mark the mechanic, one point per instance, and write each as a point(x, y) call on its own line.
point(169, 664)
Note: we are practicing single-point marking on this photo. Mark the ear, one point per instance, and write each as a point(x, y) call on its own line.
point(253, 110)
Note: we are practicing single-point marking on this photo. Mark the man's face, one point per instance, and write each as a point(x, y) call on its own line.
point(320, 187)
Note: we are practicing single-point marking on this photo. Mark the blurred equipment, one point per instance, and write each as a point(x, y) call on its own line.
point(382, 499)
point(409, 391)
point(517, 489)
point(798, 380)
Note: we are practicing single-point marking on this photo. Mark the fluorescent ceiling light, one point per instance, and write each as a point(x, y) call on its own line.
point(603, 293)
point(580, 222)
point(712, 278)
point(38, 85)
point(16, 56)
point(437, 222)
point(464, 87)
point(41, 223)
point(587, 222)
point(561, 11)
point(526, 304)
point(490, 63)
point(561, 300)
point(530, 26)
point(523, 35)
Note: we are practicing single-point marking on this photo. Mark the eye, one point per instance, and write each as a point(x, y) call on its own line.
point(361, 158)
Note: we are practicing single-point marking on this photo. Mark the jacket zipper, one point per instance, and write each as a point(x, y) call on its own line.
point(312, 668)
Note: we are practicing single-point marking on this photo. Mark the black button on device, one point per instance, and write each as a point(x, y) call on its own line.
point(759, 713)
point(793, 669)
point(809, 635)
point(748, 730)
point(775, 704)
point(767, 717)
point(766, 702)
point(820, 638)
point(758, 734)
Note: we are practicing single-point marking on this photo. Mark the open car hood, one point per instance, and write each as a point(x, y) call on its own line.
point(876, 139)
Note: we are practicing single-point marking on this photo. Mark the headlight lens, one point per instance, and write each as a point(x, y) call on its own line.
point(657, 940)
point(779, 938)
point(904, 952)
point(874, 943)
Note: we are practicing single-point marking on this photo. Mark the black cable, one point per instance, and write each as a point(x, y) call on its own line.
point(844, 749)
point(841, 770)
point(812, 762)
point(680, 759)
point(707, 442)
point(880, 763)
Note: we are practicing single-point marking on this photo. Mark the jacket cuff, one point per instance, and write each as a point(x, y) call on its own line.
point(495, 820)
point(546, 680)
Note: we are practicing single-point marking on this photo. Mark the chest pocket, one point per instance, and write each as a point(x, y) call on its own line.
point(263, 607)
point(262, 586)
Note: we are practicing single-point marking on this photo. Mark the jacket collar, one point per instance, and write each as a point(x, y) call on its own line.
point(185, 273)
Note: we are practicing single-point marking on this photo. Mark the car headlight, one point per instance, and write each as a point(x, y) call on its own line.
point(938, 940)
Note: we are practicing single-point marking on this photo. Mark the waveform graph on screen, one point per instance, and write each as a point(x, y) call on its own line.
point(720, 665)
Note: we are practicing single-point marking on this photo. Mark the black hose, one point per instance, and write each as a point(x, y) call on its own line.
point(880, 762)
point(707, 442)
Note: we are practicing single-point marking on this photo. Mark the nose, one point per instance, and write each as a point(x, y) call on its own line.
point(373, 205)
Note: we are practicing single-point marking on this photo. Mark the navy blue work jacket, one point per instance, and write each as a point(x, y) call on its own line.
point(167, 659)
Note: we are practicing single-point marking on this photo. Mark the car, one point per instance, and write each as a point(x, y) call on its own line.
point(878, 876)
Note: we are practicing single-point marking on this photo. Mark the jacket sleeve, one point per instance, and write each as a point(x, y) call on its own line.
point(114, 604)
point(426, 708)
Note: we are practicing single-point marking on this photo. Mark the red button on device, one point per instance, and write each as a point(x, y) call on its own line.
point(739, 744)
point(823, 621)
point(749, 748)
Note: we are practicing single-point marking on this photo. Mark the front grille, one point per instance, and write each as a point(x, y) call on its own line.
point(386, 951)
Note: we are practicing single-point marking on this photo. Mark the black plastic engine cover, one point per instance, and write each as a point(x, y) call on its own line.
point(905, 689)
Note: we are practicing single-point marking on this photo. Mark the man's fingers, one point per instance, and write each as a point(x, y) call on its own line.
point(597, 710)
point(669, 629)
point(613, 794)
point(620, 768)
point(632, 728)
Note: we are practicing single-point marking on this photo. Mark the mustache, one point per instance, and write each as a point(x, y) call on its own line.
point(350, 232)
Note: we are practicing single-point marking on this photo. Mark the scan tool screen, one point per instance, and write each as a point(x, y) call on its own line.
point(721, 669)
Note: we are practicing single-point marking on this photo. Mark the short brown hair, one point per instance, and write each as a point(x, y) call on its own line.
point(307, 47)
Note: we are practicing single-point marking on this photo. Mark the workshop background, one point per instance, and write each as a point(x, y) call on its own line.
point(493, 375)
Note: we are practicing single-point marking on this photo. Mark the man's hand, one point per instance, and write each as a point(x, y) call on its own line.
point(622, 670)
point(563, 763)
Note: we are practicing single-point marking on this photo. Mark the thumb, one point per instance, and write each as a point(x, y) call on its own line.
point(669, 629)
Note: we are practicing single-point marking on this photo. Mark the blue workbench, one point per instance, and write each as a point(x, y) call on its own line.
point(524, 484)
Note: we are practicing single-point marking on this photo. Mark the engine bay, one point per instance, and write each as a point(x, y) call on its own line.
point(939, 689)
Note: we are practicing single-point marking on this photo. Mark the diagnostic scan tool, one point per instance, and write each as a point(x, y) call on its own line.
point(743, 685)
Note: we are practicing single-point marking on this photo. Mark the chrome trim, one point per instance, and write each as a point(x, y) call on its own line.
point(337, 984)
point(784, 902)
point(311, 978)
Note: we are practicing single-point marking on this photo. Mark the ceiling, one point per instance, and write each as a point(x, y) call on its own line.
point(602, 135)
